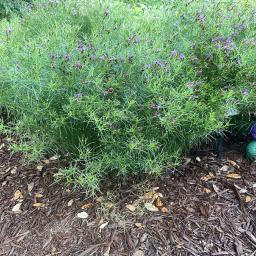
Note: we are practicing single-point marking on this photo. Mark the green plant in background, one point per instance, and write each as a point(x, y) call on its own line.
point(126, 88)
point(7, 7)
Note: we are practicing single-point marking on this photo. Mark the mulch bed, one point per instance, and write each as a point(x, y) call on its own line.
point(208, 213)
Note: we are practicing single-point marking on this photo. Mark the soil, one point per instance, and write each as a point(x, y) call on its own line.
point(204, 207)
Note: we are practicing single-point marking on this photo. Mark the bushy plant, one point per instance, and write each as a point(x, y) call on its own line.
point(7, 7)
point(123, 89)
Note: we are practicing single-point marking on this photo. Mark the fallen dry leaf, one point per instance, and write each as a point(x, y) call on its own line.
point(138, 225)
point(82, 215)
point(150, 207)
point(248, 199)
point(207, 190)
point(16, 208)
point(70, 202)
point(87, 206)
point(109, 205)
point(209, 176)
point(103, 225)
point(39, 168)
point(198, 159)
point(149, 195)
point(138, 253)
point(38, 195)
point(17, 195)
point(233, 176)
point(53, 158)
point(164, 210)
point(233, 163)
point(39, 205)
point(159, 203)
point(30, 186)
point(131, 207)
point(99, 199)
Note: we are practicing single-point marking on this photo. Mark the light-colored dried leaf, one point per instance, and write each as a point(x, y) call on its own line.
point(138, 225)
point(159, 203)
point(131, 207)
point(99, 199)
point(233, 176)
point(16, 208)
point(53, 158)
point(31, 186)
point(38, 195)
point(198, 159)
point(207, 190)
point(233, 163)
point(149, 195)
point(209, 176)
point(87, 206)
point(150, 207)
point(248, 199)
point(109, 205)
point(17, 195)
point(39, 205)
point(82, 215)
point(39, 168)
point(14, 170)
point(138, 253)
point(103, 225)
point(70, 202)
point(164, 210)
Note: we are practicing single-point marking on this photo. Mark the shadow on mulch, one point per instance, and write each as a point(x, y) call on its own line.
point(206, 213)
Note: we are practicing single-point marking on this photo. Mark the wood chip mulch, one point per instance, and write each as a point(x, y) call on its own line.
point(209, 210)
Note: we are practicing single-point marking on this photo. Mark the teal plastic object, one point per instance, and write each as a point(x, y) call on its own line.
point(251, 150)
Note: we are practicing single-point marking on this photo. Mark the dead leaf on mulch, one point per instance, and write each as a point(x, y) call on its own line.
point(164, 210)
point(233, 176)
point(16, 208)
point(209, 176)
point(159, 203)
point(103, 225)
point(17, 195)
point(87, 206)
point(207, 190)
point(233, 163)
point(30, 186)
point(150, 207)
point(131, 207)
point(248, 199)
point(82, 215)
point(70, 202)
point(138, 225)
point(39, 205)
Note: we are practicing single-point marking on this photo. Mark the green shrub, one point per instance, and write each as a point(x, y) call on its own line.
point(7, 7)
point(126, 90)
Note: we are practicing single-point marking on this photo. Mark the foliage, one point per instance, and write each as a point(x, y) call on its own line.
point(122, 88)
point(7, 7)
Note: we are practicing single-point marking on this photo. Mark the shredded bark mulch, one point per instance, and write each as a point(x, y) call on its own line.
point(205, 207)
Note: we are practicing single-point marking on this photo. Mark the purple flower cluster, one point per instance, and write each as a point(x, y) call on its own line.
point(134, 39)
point(225, 43)
point(176, 54)
point(245, 92)
point(78, 96)
point(201, 18)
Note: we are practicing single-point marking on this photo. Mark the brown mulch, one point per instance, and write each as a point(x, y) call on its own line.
point(208, 213)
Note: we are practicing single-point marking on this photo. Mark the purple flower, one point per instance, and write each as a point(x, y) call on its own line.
point(201, 18)
point(159, 63)
point(240, 27)
point(131, 57)
point(245, 92)
point(78, 96)
point(93, 57)
point(174, 53)
point(67, 57)
point(8, 31)
point(181, 56)
point(147, 66)
point(78, 65)
point(122, 59)
point(81, 47)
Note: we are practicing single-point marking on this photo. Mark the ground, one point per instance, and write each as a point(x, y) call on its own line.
point(205, 207)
